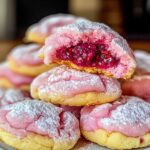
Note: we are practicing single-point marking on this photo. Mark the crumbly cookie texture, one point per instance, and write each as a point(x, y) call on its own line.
point(92, 47)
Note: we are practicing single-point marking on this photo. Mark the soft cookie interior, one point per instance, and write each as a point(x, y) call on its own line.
point(88, 54)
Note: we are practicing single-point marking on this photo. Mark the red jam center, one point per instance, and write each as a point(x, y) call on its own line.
point(88, 55)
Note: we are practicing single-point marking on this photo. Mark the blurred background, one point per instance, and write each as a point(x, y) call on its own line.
point(131, 18)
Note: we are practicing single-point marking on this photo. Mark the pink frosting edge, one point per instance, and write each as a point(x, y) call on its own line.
point(14, 78)
point(26, 54)
point(100, 117)
point(70, 34)
point(12, 124)
point(60, 83)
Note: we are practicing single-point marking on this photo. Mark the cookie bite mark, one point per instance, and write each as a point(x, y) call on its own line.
point(92, 47)
point(88, 55)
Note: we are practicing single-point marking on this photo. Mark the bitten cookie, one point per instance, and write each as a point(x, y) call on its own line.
point(40, 31)
point(65, 86)
point(24, 59)
point(35, 125)
point(92, 47)
point(124, 124)
point(11, 79)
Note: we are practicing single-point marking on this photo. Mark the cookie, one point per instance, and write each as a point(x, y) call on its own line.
point(65, 86)
point(92, 47)
point(45, 27)
point(123, 124)
point(24, 59)
point(11, 96)
point(11, 79)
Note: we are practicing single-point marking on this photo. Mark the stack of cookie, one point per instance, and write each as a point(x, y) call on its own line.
point(92, 57)
point(77, 91)
point(23, 63)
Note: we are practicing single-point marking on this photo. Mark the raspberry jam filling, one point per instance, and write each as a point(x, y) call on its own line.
point(88, 55)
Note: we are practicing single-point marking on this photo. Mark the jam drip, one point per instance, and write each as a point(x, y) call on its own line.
point(88, 55)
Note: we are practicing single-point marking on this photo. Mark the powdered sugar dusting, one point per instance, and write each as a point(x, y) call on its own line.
point(143, 60)
point(133, 111)
point(26, 54)
point(130, 116)
point(11, 96)
point(50, 23)
point(41, 118)
point(65, 81)
point(91, 32)
point(16, 79)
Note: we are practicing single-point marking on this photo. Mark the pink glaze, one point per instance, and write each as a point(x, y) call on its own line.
point(68, 82)
point(129, 115)
point(26, 55)
point(11, 96)
point(87, 32)
point(15, 78)
point(49, 24)
point(138, 86)
point(41, 118)
point(143, 61)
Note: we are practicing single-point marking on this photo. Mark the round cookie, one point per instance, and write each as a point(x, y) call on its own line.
point(11, 96)
point(123, 124)
point(43, 126)
point(65, 86)
point(92, 47)
point(24, 59)
point(40, 31)
point(11, 79)
point(138, 85)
